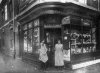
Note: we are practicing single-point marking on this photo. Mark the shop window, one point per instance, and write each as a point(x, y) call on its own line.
point(31, 37)
point(36, 35)
point(29, 41)
point(25, 41)
point(30, 25)
point(87, 39)
point(83, 38)
point(25, 27)
point(76, 39)
point(28, 38)
point(36, 38)
point(93, 39)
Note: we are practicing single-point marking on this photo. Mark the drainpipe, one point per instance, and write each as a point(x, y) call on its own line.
point(14, 53)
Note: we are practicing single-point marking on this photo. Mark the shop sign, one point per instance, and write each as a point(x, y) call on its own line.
point(86, 22)
point(66, 20)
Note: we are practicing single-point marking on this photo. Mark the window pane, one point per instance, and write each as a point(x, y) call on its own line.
point(30, 25)
point(76, 39)
point(36, 38)
point(25, 41)
point(93, 39)
point(29, 41)
point(87, 39)
point(25, 27)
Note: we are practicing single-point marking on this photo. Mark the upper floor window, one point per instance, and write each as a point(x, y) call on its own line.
point(83, 1)
point(80, 1)
point(93, 3)
point(6, 13)
point(0, 1)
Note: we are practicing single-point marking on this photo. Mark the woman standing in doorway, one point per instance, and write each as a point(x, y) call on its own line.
point(59, 63)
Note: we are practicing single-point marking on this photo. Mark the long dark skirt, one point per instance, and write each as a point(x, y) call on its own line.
point(43, 65)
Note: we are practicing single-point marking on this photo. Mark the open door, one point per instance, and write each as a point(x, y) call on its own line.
point(51, 37)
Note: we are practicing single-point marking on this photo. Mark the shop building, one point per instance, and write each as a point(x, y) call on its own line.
point(76, 25)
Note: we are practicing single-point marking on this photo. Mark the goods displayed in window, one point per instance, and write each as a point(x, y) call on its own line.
point(31, 36)
point(36, 36)
point(28, 40)
point(76, 40)
point(83, 40)
point(87, 43)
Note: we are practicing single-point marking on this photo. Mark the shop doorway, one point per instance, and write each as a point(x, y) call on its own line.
point(52, 35)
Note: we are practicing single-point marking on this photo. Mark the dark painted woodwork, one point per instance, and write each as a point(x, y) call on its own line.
point(57, 8)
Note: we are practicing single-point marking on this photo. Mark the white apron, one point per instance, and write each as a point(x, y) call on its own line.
point(43, 54)
point(59, 55)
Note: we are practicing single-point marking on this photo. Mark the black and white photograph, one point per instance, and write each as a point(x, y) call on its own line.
point(49, 36)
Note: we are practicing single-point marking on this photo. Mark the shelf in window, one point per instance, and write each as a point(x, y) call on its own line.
point(73, 39)
point(86, 42)
point(52, 26)
point(86, 35)
point(78, 43)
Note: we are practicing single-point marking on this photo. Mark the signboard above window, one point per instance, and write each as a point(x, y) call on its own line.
point(66, 20)
point(86, 22)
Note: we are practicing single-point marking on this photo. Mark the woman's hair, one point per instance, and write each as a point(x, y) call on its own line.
point(43, 41)
point(59, 40)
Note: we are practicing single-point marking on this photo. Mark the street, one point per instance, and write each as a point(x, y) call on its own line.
point(10, 65)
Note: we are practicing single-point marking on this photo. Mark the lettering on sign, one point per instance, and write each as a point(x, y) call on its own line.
point(86, 22)
point(66, 20)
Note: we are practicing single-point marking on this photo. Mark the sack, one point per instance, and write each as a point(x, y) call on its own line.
point(66, 55)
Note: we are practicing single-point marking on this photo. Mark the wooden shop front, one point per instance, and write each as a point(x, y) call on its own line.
point(74, 25)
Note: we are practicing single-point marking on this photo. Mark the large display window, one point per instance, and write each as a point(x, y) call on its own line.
point(79, 40)
point(76, 39)
point(83, 38)
point(31, 37)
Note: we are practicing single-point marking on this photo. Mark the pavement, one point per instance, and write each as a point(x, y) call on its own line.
point(10, 65)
